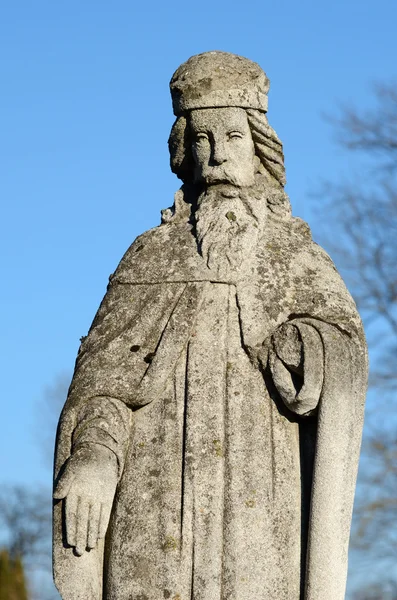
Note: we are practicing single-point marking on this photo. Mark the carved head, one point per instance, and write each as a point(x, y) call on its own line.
point(221, 134)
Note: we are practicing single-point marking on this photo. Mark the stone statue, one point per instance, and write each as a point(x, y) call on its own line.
point(209, 444)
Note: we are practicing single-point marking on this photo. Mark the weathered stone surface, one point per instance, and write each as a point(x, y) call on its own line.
point(209, 444)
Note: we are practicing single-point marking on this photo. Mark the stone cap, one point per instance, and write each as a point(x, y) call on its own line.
point(218, 79)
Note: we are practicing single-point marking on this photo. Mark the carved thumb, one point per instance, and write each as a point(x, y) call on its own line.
point(65, 480)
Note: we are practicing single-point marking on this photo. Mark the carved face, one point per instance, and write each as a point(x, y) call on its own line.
point(222, 146)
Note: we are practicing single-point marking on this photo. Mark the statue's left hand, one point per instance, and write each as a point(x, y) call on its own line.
point(288, 346)
point(88, 485)
point(296, 362)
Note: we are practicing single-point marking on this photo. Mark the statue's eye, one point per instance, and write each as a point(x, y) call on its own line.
point(201, 136)
point(235, 135)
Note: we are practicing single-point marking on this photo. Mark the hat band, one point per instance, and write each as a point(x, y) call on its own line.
point(238, 97)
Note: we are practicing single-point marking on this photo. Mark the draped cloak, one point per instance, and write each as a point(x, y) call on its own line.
point(228, 489)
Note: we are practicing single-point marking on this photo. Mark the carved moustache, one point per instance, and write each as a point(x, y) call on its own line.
point(221, 176)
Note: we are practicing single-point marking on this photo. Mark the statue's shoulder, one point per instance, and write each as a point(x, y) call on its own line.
point(164, 253)
point(300, 272)
point(290, 241)
point(291, 258)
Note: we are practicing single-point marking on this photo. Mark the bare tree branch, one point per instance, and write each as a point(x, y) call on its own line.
point(25, 517)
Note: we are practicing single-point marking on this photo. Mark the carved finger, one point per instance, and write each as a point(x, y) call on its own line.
point(71, 513)
point(104, 520)
point(93, 524)
point(82, 525)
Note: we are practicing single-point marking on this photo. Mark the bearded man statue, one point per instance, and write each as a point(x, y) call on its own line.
point(209, 444)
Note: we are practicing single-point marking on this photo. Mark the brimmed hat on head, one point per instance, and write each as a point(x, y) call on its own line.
point(218, 79)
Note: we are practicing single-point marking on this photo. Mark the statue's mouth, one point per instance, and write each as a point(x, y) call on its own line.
point(215, 180)
point(224, 188)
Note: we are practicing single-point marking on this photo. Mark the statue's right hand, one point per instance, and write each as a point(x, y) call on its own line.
point(88, 485)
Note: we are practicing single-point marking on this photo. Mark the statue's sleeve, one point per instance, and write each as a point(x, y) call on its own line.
point(105, 421)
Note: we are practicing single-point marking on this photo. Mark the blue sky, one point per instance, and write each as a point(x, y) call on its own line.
point(85, 115)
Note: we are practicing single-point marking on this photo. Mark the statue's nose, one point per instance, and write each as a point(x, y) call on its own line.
point(219, 153)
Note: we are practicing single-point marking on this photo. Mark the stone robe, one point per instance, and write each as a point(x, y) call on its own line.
point(229, 488)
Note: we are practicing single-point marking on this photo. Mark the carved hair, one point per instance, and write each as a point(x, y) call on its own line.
point(268, 148)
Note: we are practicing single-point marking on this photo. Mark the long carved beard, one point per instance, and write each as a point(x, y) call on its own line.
point(227, 224)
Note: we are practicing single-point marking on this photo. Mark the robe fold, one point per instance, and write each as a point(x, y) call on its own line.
point(228, 489)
